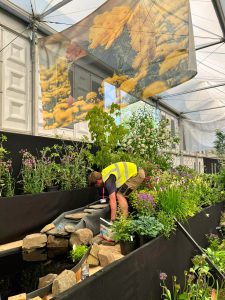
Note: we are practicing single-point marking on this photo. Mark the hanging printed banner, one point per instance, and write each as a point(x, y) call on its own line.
point(124, 51)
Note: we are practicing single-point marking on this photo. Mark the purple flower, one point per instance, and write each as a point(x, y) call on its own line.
point(146, 198)
point(162, 276)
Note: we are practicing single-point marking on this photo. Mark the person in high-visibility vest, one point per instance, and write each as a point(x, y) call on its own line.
point(119, 180)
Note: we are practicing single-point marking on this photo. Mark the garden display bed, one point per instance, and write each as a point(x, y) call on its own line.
point(136, 276)
point(24, 214)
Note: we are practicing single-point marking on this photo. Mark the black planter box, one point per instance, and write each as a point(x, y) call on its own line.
point(136, 276)
point(24, 214)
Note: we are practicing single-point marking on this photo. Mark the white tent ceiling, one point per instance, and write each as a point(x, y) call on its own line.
point(210, 61)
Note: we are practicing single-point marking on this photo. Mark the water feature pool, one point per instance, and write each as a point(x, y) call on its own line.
point(20, 272)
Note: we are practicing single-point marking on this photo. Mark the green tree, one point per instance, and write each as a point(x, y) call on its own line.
point(106, 135)
point(219, 143)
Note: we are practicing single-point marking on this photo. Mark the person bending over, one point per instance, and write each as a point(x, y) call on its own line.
point(119, 180)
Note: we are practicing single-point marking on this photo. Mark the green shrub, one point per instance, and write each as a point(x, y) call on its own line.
point(78, 252)
point(148, 226)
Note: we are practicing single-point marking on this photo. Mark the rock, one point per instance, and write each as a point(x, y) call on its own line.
point(98, 206)
point(64, 281)
point(46, 280)
point(92, 261)
point(47, 228)
point(70, 228)
point(76, 216)
point(56, 242)
point(105, 257)
point(22, 296)
point(94, 250)
point(35, 255)
point(34, 241)
point(57, 232)
point(36, 298)
point(81, 236)
point(90, 210)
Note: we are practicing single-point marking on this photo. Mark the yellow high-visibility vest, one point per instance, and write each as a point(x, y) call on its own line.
point(122, 170)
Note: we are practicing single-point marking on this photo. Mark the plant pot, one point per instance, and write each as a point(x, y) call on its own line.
point(52, 188)
point(143, 239)
point(127, 247)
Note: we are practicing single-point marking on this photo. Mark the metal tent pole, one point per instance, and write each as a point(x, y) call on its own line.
point(34, 88)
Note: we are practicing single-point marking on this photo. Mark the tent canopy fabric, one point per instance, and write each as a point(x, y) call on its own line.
point(200, 100)
point(210, 61)
point(145, 47)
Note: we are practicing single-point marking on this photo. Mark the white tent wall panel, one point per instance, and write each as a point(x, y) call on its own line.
point(191, 160)
point(15, 84)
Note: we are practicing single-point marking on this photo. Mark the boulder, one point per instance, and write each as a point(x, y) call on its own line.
point(92, 261)
point(47, 228)
point(56, 242)
point(64, 281)
point(94, 250)
point(34, 241)
point(105, 257)
point(81, 236)
point(46, 280)
point(22, 296)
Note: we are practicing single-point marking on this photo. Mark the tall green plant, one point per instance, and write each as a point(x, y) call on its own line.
point(106, 135)
point(32, 172)
point(75, 163)
point(172, 202)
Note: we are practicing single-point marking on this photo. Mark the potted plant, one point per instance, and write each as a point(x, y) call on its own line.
point(147, 227)
point(123, 232)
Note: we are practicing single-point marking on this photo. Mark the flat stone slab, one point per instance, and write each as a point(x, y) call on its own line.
point(57, 232)
point(47, 228)
point(98, 206)
point(70, 227)
point(89, 210)
point(76, 216)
